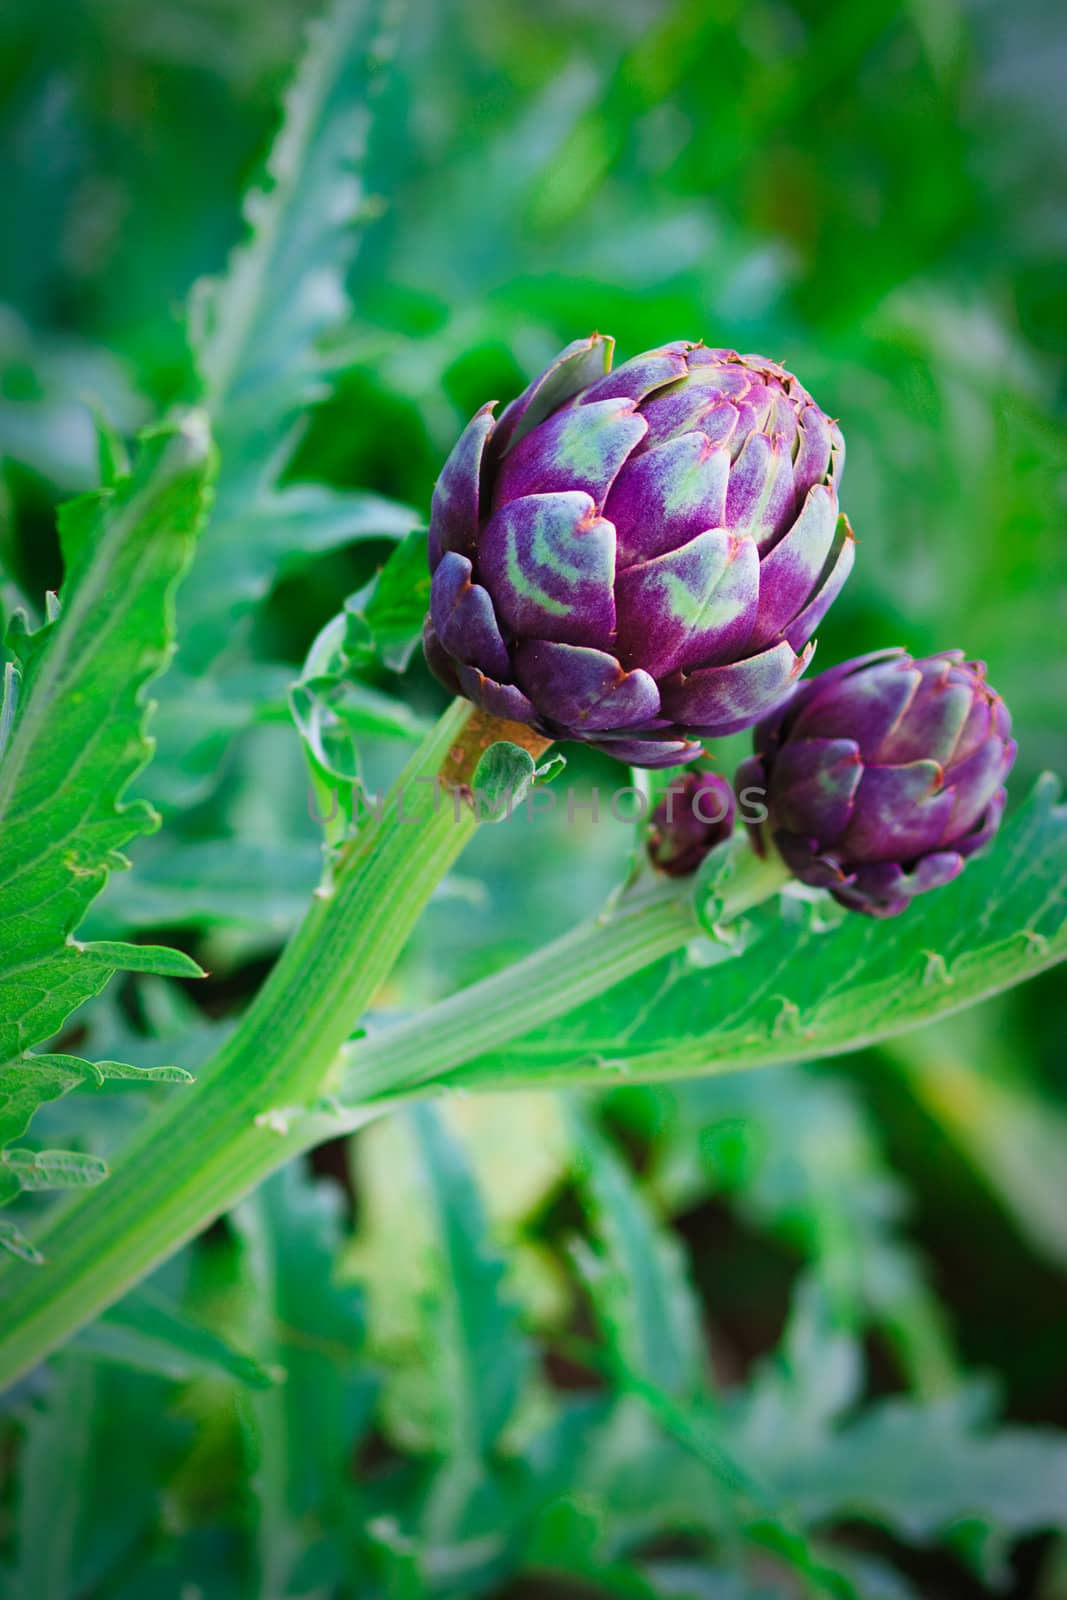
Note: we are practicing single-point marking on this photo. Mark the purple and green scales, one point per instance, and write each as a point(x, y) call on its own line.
point(638, 558)
point(883, 775)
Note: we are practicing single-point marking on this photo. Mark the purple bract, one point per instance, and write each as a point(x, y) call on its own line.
point(694, 815)
point(637, 558)
point(881, 776)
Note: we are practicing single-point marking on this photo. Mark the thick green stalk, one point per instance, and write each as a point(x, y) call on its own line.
point(638, 929)
point(206, 1149)
point(213, 1145)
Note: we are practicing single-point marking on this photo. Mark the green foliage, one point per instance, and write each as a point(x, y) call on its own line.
point(473, 1327)
point(804, 989)
point(260, 887)
point(58, 1437)
point(146, 1332)
point(73, 719)
point(711, 1339)
point(920, 1469)
point(257, 332)
point(335, 709)
point(384, 621)
point(309, 1327)
point(86, 1510)
point(639, 1284)
point(446, 1295)
point(754, 1481)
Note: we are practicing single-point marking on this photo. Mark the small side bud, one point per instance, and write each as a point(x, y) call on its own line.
point(882, 776)
point(694, 815)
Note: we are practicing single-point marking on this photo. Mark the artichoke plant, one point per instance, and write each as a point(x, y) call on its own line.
point(637, 557)
point(881, 776)
point(694, 815)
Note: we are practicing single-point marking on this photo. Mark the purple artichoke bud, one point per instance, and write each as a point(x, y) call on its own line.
point(637, 558)
point(881, 776)
point(695, 814)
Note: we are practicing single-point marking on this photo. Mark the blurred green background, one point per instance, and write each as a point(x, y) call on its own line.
point(872, 194)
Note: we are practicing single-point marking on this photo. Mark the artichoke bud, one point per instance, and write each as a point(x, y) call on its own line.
point(638, 557)
point(881, 776)
point(695, 814)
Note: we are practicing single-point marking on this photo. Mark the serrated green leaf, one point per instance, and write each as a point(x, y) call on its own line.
point(257, 329)
point(98, 1072)
point(920, 1468)
point(817, 1373)
point(799, 1154)
point(77, 739)
point(480, 1355)
point(807, 990)
point(645, 1302)
point(701, 1482)
point(35, 1079)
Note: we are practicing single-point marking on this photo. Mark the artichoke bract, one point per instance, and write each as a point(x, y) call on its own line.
point(638, 557)
point(695, 814)
point(881, 776)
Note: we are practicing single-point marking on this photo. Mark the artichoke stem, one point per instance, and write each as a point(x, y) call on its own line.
point(209, 1145)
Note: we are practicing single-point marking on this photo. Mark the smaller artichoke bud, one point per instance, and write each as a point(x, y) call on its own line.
point(695, 814)
point(881, 776)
